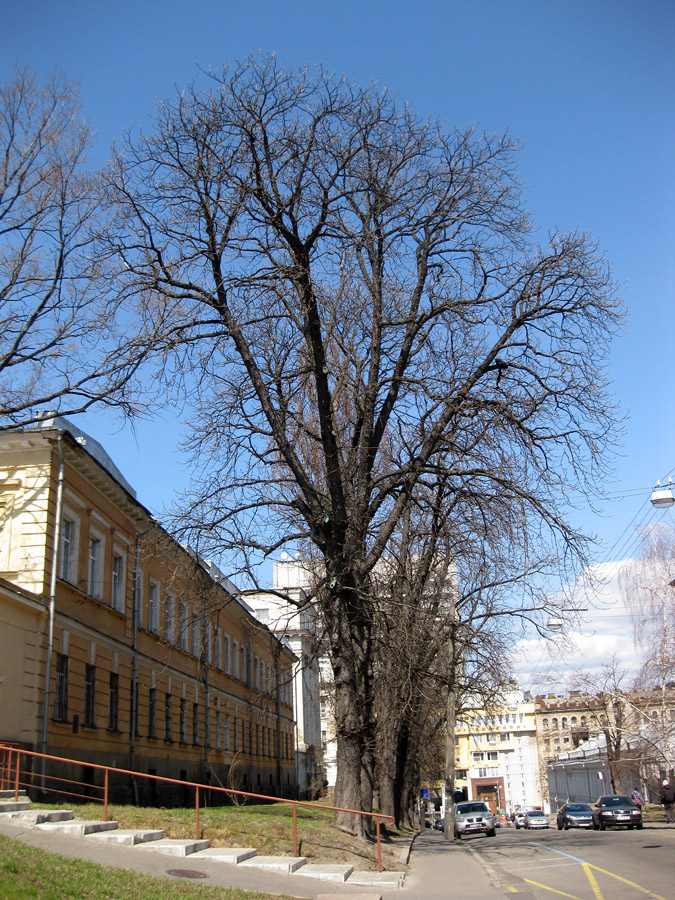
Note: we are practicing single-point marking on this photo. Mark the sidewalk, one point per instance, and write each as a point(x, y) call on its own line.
point(446, 870)
point(437, 869)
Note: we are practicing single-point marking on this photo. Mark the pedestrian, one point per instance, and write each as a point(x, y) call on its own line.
point(636, 798)
point(668, 800)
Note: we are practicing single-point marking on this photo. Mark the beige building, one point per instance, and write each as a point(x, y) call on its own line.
point(496, 754)
point(106, 620)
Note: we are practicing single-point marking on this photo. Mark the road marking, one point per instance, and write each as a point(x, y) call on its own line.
point(552, 890)
point(626, 881)
point(561, 865)
point(594, 884)
point(588, 866)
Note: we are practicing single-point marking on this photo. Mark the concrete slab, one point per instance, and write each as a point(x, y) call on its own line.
point(78, 827)
point(341, 897)
point(14, 805)
point(286, 864)
point(127, 836)
point(38, 816)
point(9, 795)
point(380, 879)
point(326, 872)
point(232, 855)
point(174, 847)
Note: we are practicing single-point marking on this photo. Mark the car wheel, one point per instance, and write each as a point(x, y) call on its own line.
point(630, 827)
point(491, 833)
point(638, 825)
point(458, 836)
point(602, 825)
point(595, 825)
point(517, 827)
point(559, 827)
point(567, 826)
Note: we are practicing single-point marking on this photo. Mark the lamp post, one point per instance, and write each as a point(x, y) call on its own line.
point(662, 496)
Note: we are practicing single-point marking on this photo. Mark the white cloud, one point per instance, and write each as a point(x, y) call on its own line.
point(589, 637)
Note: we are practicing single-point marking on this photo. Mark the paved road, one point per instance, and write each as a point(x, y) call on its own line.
point(616, 864)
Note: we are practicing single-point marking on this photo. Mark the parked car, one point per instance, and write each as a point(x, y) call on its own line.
point(473, 817)
point(614, 811)
point(519, 819)
point(535, 818)
point(574, 815)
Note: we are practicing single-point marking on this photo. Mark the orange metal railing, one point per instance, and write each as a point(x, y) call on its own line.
point(10, 779)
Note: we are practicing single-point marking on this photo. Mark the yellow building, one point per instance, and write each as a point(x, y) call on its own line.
point(496, 754)
point(104, 618)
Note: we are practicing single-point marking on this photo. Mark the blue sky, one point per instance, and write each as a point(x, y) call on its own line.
point(586, 86)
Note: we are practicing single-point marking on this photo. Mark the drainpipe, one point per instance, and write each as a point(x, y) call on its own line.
point(52, 609)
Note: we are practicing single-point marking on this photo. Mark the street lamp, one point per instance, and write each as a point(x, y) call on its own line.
point(662, 497)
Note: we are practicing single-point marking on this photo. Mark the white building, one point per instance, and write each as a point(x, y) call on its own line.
point(282, 610)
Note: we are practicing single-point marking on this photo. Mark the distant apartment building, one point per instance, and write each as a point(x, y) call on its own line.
point(496, 754)
point(289, 615)
point(118, 645)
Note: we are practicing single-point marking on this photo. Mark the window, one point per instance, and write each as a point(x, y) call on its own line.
point(217, 647)
point(554, 724)
point(95, 579)
point(117, 592)
point(152, 713)
point(478, 757)
point(492, 756)
point(153, 607)
point(183, 625)
point(504, 737)
point(544, 722)
point(478, 738)
point(88, 718)
point(168, 619)
point(135, 701)
point(196, 636)
point(242, 666)
point(182, 721)
point(226, 732)
point(226, 654)
point(168, 710)
point(574, 721)
point(235, 659)
point(235, 734)
point(61, 689)
point(68, 550)
point(113, 701)
point(491, 738)
point(564, 722)
point(218, 729)
point(195, 723)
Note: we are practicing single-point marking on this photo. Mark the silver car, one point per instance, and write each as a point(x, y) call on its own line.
point(473, 817)
point(535, 818)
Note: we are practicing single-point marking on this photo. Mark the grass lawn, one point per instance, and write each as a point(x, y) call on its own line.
point(268, 828)
point(27, 873)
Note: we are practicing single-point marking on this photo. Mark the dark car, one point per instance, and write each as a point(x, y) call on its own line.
point(616, 810)
point(575, 815)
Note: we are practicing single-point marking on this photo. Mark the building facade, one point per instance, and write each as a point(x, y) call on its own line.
point(289, 615)
point(496, 754)
point(126, 648)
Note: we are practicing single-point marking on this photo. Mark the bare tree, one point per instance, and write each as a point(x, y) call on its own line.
point(354, 301)
point(62, 347)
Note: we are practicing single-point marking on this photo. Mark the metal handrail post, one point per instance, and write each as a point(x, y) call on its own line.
point(16, 784)
point(379, 846)
point(295, 830)
point(105, 797)
point(197, 812)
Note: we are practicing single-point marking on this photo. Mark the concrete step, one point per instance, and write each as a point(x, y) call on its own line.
point(9, 795)
point(286, 864)
point(326, 871)
point(377, 879)
point(233, 855)
point(8, 806)
point(80, 827)
point(175, 847)
point(127, 836)
point(38, 816)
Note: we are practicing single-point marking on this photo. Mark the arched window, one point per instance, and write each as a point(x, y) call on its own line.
point(554, 723)
point(574, 721)
point(544, 722)
point(564, 722)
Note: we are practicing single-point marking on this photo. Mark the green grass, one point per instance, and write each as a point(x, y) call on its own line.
point(27, 873)
point(268, 828)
